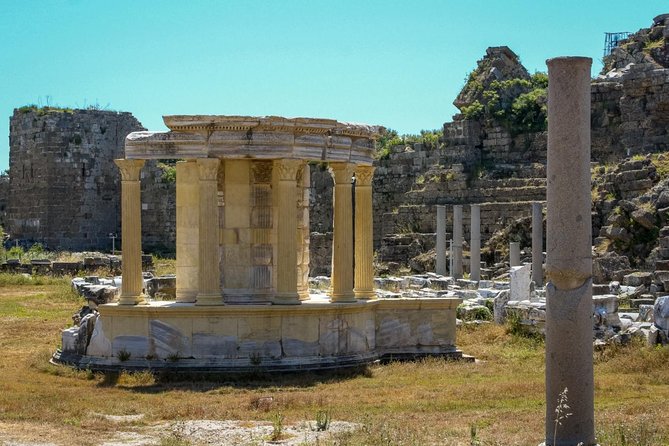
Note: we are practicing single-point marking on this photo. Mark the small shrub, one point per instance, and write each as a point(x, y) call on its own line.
point(15, 252)
point(322, 421)
point(255, 359)
point(169, 173)
point(474, 111)
point(123, 355)
point(277, 427)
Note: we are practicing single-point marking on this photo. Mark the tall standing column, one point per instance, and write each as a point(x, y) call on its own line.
point(457, 242)
point(286, 278)
point(209, 282)
point(440, 265)
point(341, 289)
point(514, 254)
point(569, 364)
point(188, 242)
point(364, 234)
point(131, 231)
point(475, 245)
point(537, 245)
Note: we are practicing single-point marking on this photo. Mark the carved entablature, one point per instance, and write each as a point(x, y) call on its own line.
point(266, 137)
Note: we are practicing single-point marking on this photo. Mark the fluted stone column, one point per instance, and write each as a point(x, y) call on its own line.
point(303, 234)
point(475, 245)
point(364, 236)
point(286, 280)
point(188, 242)
point(537, 245)
point(568, 252)
point(457, 241)
point(341, 289)
point(514, 254)
point(440, 263)
point(209, 283)
point(131, 231)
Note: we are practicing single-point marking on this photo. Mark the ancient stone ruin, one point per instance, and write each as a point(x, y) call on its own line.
point(242, 296)
point(63, 191)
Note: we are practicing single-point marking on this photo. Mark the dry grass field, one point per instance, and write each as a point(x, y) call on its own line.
point(497, 401)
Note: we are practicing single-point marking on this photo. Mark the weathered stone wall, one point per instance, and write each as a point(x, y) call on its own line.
point(159, 221)
point(64, 188)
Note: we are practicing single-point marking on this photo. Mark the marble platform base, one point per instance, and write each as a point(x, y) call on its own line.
point(314, 335)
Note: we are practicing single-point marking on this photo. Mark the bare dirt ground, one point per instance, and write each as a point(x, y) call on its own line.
point(189, 432)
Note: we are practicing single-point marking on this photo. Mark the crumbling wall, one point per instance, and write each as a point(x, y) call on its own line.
point(64, 188)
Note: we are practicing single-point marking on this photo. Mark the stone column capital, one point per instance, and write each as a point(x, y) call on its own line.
point(364, 175)
point(208, 168)
point(130, 169)
point(341, 172)
point(287, 169)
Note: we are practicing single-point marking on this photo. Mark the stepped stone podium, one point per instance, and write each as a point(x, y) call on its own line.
point(242, 262)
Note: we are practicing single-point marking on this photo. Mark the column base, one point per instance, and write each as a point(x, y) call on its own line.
point(186, 297)
point(342, 298)
point(364, 294)
point(209, 299)
point(131, 300)
point(286, 299)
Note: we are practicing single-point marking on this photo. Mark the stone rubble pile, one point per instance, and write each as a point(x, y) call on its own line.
point(519, 302)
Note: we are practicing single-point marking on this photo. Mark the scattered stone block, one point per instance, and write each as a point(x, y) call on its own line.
point(520, 282)
point(661, 312)
point(638, 278)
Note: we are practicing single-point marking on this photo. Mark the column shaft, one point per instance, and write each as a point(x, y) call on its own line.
point(341, 289)
point(537, 245)
point(440, 261)
point(457, 241)
point(188, 242)
point(131, 231)
point(209, 272)
point(364, 234)
point(303, 194)
point(569, 366)
point(475, 245)
point(514, 254)
point(286, 280)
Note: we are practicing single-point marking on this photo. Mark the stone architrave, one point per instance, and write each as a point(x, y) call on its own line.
point(440, 264)
point(364, 234)
point(286, 280)
point(514, 254)
point(457, 241)
point(475, 245)
point(537, 245)
point(131, 231)
point(569, 366)
point(341, 289)
point(188, 243)
point(209, 283)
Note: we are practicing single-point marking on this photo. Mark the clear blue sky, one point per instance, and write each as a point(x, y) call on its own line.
point(395, 63)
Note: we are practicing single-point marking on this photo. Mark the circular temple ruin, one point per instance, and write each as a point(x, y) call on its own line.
point(242, 258)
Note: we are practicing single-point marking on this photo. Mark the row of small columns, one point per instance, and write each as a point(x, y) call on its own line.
point(346, 285)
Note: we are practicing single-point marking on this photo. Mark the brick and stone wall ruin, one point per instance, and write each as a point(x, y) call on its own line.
point(64, 190)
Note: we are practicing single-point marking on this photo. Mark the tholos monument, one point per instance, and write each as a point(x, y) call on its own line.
point(568, 254)
point(242, 297)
